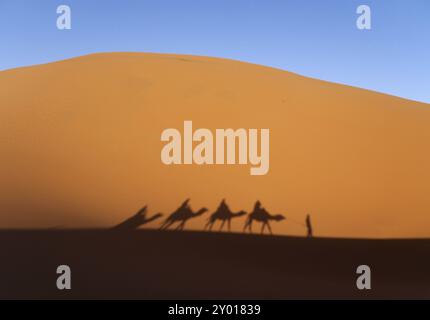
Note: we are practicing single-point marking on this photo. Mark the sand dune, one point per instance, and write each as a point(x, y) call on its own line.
point(80, 145)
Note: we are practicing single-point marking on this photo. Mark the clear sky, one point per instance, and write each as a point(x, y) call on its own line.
point(315, 38)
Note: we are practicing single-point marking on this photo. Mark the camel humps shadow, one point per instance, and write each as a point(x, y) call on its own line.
point(182, 215)
point(261, 215)
point(224, 214)
point(137, 220)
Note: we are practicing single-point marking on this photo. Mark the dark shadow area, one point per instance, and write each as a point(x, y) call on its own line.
point(149, 264)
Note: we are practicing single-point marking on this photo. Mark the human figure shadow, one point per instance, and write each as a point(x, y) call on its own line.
point(308, 223)
point(182, 215)
point(224, 214)
point(260, 214)
point(137, 220)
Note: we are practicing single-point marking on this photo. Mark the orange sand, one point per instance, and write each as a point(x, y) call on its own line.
point(80, 146)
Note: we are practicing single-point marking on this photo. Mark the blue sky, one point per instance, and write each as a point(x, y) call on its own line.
point(316, 38)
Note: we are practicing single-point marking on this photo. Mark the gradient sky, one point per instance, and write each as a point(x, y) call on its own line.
point(310, 37)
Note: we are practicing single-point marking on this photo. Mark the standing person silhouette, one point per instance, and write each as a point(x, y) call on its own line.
point(309, 226)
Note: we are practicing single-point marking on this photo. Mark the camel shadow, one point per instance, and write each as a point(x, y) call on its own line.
point(260, 214)
point(181, 216)
point(223, 214)
point(137, 220)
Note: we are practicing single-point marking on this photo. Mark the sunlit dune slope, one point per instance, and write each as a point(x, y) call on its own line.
point(80, 146)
